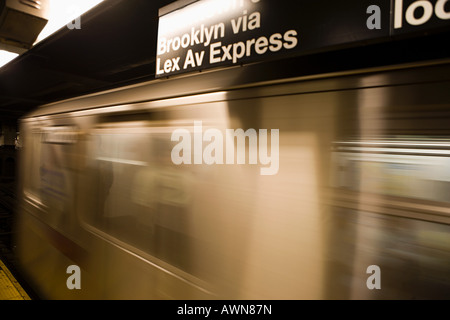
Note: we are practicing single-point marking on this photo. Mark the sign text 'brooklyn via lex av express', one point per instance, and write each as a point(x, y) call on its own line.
point(196, 35)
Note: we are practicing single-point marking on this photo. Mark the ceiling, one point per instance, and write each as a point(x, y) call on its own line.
point(116, 45)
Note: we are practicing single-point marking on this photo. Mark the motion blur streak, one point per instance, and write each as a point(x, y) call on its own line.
point(363, 180)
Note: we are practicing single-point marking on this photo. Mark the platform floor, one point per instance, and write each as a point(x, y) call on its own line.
point(10, 289)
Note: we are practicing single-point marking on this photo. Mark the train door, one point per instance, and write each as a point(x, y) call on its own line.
point(392, 183)
point(47, 243)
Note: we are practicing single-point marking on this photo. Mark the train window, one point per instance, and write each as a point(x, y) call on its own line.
point(417, 169)
point(138, 195)
point(32, 148)
point(50, 171)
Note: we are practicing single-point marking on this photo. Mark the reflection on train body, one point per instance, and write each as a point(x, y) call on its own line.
point(363, 180)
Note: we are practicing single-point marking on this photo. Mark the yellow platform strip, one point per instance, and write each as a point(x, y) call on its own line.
point(10, 289)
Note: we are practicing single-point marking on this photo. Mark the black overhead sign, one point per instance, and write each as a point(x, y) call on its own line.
point(195, 35)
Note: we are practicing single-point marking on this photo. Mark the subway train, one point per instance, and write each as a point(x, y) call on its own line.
point(242, 183)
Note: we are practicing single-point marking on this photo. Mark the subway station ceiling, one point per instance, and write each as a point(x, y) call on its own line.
point(116, 45)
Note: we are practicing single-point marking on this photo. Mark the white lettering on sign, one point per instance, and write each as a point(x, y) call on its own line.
point(419, 12)
point(237, 51)
point(197, 36)
point(210, 32)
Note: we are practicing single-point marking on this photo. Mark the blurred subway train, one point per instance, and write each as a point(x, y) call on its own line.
point(242, 183)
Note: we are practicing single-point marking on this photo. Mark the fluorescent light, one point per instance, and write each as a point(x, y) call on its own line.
point(6, 56)
point(61, 12)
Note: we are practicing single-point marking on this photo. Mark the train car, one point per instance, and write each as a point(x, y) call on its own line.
point(128, 185)
point(254, 180)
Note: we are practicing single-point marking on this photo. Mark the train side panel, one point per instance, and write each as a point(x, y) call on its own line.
point(276, 191)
